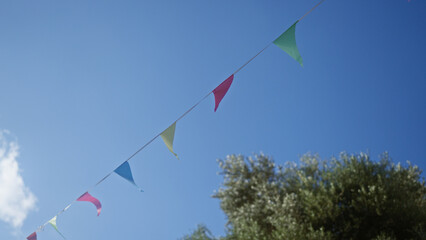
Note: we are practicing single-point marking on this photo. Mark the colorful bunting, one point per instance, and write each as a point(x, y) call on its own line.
point(53, 223)
point(287, 42)
point(33, 236)
point(220, 91)
point(168, 136)
point(86, 197)
point(124, 171)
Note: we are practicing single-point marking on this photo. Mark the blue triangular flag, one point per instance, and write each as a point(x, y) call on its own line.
point(124, 171)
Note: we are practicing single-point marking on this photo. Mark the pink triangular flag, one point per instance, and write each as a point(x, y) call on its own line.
point(220, 91)
point(88, 198)
point(33, 236)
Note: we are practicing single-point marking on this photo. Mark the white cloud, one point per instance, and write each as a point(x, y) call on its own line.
point(16, 200)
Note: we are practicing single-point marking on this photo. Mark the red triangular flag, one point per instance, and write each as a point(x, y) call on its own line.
point(86, 197)
point(220, 91)
point(33, 236)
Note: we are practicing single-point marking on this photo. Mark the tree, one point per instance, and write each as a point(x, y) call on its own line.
point(201, 233)
point(350, 197)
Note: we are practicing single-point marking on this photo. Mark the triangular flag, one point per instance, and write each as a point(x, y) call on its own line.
point(33, 236)
point(287, 42)
point(86, 197)
point(220, 91)
point(53, 223)
point(124, 171)
point(168, 136)
point(66, 208)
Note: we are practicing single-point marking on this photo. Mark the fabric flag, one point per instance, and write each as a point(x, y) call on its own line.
point(66, 208)
point(287, 42)
point(33, 236)
point(168, 136)
point(220, 91)
point(124, 171)
point(53, 223)
point(86, 197)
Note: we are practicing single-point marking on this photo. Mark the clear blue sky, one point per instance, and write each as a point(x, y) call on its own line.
point(84, 84)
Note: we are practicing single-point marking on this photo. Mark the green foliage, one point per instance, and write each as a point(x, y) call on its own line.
point(351, 197)
point(201, 233)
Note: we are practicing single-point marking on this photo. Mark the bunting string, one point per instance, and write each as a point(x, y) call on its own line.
point(286, 41)
point(306, 14)
point(251, 59)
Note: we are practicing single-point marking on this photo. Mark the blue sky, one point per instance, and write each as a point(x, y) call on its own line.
point(84, 84)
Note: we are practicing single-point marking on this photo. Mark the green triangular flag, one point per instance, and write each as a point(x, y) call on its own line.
point(53, 223)
point(287, 42)
point(168, 135)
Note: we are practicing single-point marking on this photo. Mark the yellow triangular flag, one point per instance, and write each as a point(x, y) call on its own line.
point(53, 223)
point(168, 136)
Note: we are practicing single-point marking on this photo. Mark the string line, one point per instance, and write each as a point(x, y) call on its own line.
point(306, 14)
